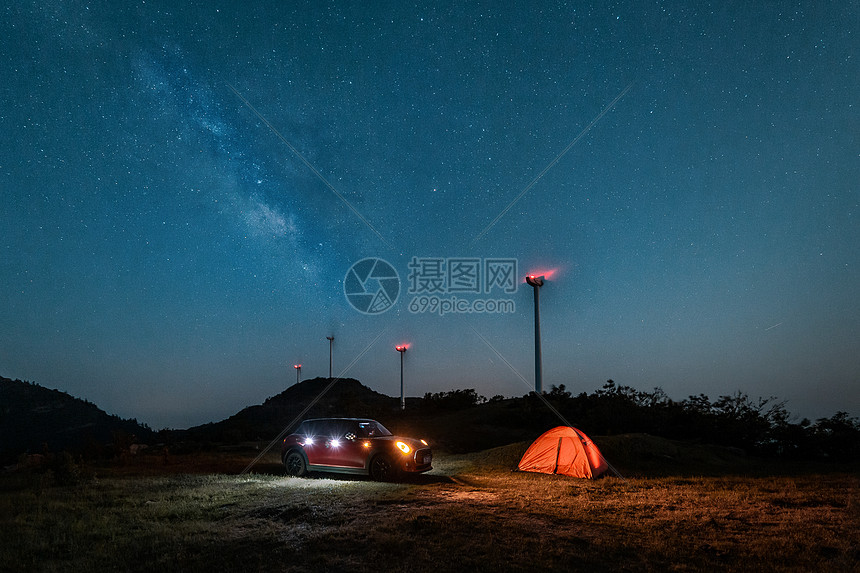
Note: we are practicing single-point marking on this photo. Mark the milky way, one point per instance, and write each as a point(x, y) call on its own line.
point(184, 190)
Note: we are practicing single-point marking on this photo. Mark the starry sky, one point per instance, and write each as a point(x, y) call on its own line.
point(186, 185)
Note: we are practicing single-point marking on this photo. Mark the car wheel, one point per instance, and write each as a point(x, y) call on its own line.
point(294, 463)
point(383, 469)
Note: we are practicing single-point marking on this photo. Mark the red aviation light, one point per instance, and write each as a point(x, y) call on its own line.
point(547, 274)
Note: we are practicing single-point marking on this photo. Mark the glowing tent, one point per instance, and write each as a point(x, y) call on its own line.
point(564, 450)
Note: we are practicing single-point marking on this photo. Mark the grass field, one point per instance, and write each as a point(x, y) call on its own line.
point(198, 512)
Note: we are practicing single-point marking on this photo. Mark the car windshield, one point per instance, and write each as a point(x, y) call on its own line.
point(372, 430)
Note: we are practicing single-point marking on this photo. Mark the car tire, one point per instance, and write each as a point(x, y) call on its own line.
point(383, 469)
point(295, 465)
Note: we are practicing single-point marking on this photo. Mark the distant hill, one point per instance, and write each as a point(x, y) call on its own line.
point(34, 419)
point(317, 397)
point(452, 426)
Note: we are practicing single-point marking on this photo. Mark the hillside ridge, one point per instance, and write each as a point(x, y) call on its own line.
point(35, 420)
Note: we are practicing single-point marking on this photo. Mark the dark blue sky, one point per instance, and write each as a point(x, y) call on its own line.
point(184, 190)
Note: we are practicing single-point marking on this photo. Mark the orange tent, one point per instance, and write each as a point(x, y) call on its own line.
point(564, 450)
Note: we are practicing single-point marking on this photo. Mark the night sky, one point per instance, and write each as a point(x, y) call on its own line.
point(185, 187)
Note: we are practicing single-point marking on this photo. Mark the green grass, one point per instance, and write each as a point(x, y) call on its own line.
point(471, 513)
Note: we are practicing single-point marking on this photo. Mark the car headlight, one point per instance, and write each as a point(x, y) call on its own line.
point(403, 447)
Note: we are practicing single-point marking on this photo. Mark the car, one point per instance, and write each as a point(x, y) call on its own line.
point(359, 446)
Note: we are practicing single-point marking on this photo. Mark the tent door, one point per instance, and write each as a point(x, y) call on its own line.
point(557, 454)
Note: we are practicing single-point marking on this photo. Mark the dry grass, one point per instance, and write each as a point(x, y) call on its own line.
point(470, 513)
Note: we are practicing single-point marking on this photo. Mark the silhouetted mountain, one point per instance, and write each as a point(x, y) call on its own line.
point(35, 419)
point(317, 397)
point(456, 421)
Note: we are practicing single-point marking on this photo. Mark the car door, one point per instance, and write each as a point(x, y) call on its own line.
point(339, 445)
point(328, 444)
point(312, 434)
point(352, 451)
